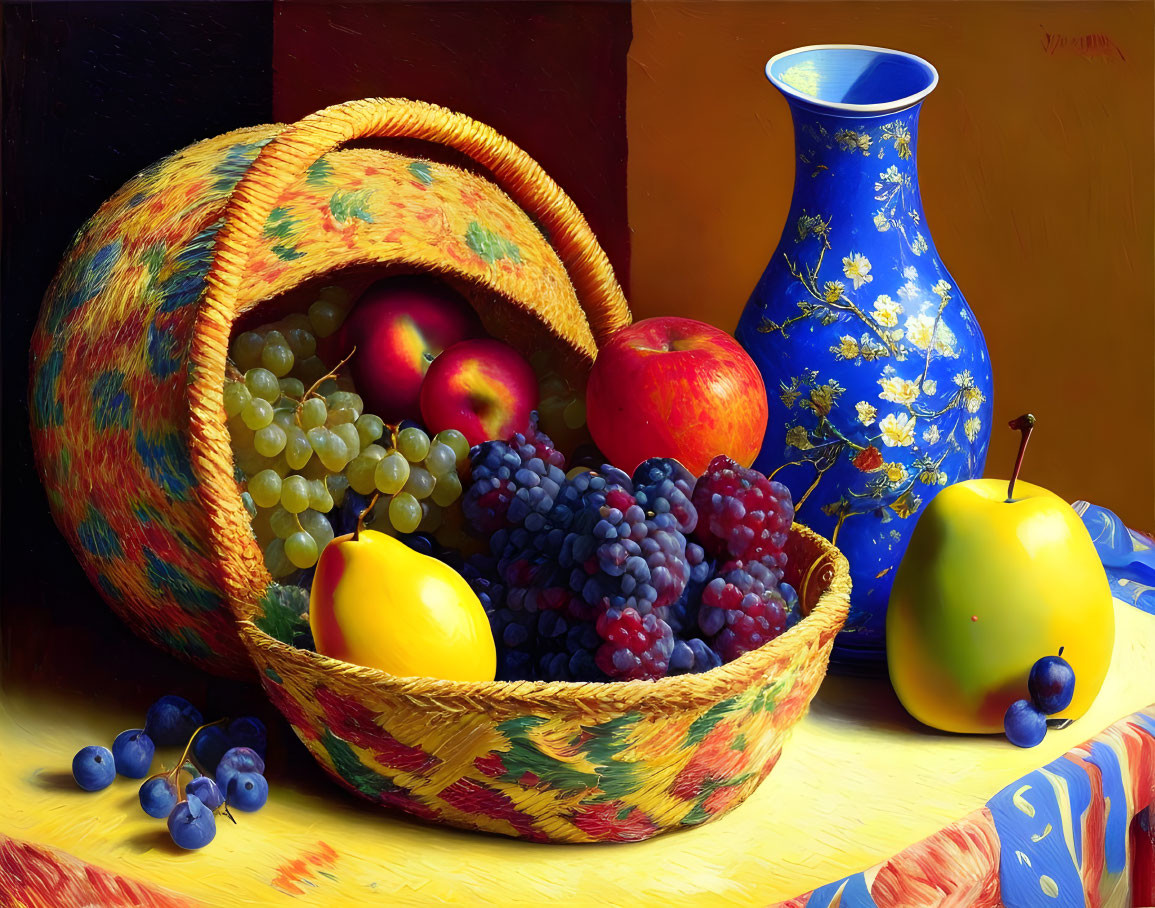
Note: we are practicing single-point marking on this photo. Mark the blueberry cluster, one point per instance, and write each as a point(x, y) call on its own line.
point(596, 575)
point(226, 768)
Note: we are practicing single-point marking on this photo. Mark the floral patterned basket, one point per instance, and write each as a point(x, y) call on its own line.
point(564, 761)
point(127, 360)
point(128, 365)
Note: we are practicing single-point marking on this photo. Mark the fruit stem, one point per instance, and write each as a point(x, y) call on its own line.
point(1061, 648)
point(313, 388)
point(175, 773)
point(365, 513)
point(1024, 424)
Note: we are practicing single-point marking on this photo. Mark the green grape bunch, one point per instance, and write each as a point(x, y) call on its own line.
point(301, 439)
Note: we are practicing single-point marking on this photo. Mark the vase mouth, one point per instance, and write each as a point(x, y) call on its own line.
point(852, 78)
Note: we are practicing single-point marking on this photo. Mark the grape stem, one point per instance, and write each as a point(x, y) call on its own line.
point(174, 773)
point(365, 513)
point(324, 378)
point(1024, 424)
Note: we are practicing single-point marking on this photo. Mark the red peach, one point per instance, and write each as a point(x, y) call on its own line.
point(675, 387)
point(482, 388)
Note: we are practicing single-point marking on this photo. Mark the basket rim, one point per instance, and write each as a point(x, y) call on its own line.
point(695, 689)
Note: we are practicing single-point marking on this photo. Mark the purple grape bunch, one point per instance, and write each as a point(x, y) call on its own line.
point(598, 575)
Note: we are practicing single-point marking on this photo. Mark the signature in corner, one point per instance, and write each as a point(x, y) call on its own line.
point(1086, 46)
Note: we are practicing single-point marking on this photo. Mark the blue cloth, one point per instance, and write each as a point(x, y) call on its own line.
point(1128, 557)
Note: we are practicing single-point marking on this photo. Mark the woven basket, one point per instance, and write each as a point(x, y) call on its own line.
point(565, 761)
point(128, 363)
point(128, 356)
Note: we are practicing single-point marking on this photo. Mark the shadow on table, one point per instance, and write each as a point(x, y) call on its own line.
point(156, 839)
point(853, 701)
point(55, 780)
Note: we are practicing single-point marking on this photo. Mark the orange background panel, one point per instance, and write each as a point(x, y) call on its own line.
point(1036, 156)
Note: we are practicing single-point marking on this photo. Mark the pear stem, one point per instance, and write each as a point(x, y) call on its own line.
point(1024, 424)
point(361, 517)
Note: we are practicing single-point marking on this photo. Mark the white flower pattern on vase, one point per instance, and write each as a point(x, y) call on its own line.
point(868, 348)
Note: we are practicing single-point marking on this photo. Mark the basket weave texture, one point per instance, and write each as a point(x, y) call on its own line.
point(120, 413)
point(128, 363)
point(564, 761)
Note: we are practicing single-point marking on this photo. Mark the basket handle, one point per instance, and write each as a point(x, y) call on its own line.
point(287, 157)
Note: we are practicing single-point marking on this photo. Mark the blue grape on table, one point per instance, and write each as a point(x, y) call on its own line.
point(93, 767)
point(209, 746)
point(158, 796)
point(191, 824)
point(247, 791)
point(171, 720)
point(237, 760)
point(133, 751)
point(207, 790)
point(247, 731)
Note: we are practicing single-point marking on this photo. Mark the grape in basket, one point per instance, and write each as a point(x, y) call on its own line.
point(589, 574)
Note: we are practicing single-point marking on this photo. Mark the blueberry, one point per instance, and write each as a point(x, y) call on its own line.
point(158, 797)
point(250, 732)
point(132, 750)
point(191, 824)
point(237, 760)
point(1052, 684)
point(1025, 726)
point(93, 767)
point(209, 746)
point(248, 791)
point(207, 790)
point(171, 720)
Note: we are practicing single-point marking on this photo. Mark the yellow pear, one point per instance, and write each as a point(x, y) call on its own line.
point(994, 579)
point(377, 602)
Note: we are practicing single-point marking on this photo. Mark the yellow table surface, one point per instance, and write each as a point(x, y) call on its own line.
point(858, 782)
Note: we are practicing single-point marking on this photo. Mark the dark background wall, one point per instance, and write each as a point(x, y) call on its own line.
point(94, 92)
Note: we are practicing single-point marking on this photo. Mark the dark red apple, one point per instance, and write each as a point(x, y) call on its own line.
point(675, 387)
point(399, 327)
point(482, 387)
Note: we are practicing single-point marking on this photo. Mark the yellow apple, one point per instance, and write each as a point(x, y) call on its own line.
point(987, 587)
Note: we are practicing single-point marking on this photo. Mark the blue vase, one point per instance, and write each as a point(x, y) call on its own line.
point(877, 374)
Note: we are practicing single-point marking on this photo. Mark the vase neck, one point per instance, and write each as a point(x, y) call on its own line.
point(858, 153)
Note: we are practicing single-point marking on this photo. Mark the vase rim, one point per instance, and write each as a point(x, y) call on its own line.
point(881, 107)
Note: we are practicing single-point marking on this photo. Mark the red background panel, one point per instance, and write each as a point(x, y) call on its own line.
point(549, 76)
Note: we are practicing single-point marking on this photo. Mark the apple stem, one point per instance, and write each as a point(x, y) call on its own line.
point(361, 517)
point(1024, 424)
point(1061, 648)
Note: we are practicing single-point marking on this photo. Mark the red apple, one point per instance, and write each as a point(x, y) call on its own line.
point(399, 326)
point(482, 388)
point(675, 387)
